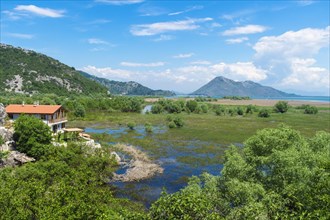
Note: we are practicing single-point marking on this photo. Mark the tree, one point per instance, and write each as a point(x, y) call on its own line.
point(191, 105)
point(79, 111)
point(278, 174)
point(32, 136)
point(281, 106)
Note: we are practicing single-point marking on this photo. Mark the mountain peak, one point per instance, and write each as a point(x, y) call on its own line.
point(221, 86)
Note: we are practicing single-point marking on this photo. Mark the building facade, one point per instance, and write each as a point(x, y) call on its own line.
point(52, 115)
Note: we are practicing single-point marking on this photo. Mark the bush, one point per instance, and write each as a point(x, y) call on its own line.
point(178, 122)
point(131, 125)
point(250, 109)
point(191, 105)
point(1, 141)
point(204, 108)
point(32, 136)
point(171, 124)
point(239, 111)
point(157, 109)
point(169, 118)
point(79, 111)
point(281, 106)
point(220, 110)
point(148, 128)
point(311, 110)
point(264, 113)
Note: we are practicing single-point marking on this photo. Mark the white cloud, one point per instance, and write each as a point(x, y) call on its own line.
point(305, 2)
point(163, 37)
point(120, 2)
point(193, 8)
point(200, 62)
point(108, 72)
point(21, 36)
point(162, 27)
point(184, 55)
point(237, 40)
point(240, 71)
point(130, 64)
point(289, 59)
point(248, 29)
point(97, 41)
point(305, 75)
point(45, 12)
point(302, 43)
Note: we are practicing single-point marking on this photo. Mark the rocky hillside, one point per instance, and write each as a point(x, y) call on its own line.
point(29, 72)
point(127, 88)
point(221, 86)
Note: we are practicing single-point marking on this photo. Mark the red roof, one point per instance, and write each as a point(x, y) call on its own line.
point(32, 109)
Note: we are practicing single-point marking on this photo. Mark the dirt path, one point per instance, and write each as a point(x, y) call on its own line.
point(140, 167)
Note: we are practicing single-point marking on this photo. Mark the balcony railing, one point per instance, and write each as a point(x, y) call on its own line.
point(52, 121)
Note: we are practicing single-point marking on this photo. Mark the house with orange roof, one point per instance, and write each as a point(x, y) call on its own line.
point(53, 115)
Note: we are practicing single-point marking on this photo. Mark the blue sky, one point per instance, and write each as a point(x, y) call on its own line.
point(180, 45)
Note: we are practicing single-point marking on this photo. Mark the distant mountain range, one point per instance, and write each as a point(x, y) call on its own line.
point(127, 88)
point(28, 72)
point(221, 86)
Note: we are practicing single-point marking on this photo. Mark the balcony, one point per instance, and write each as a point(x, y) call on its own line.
point(57, 120)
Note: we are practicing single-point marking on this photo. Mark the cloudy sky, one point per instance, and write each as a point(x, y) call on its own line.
point(180, 45)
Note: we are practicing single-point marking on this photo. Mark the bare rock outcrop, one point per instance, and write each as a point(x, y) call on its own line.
point(3, 114)
point(140, 167)
point(15, 158)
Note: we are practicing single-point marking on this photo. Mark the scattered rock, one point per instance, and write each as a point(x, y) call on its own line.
point(91, 143)
point(116, 156)
point(15, 158)
point(140, 167)
point(3, 114)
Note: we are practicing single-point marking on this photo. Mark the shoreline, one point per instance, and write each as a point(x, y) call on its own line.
point(257, 102)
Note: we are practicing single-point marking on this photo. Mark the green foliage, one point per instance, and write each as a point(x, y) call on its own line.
point(148, 128)
point(191, 105)
point(171, 124)
point(42, 74)
point(237, 97)
point(157, 109)
point(178, 122)
point(131, 125)
point(250, 109)
point(310, 110)
point(220, 110)
point(204, 108)
point(67, 183)
point(239, 111)
point(79, 111)
point(281, 107)
point(263, 113)
point(277, 175)
point(2, 141)
point(32, 136)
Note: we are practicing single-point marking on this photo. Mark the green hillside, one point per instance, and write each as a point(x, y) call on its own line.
point(28, 72)
point(127, 88)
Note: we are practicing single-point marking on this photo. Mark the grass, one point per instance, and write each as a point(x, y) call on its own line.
point(208, 132)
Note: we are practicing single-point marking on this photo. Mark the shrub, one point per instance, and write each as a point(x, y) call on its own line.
point(178, 122)
point(250, 109)
point(220, 110)
point(148, 128)
point(131, 125)
point(311, 110)
point(239, 111)
point(191, 105)
point(171, 124)
point(169, 118)
point(231, 112)
point(1, 141)
point(157, 109)
point(281, 106)
point(79, 111)
point(264, 113)
point(204, 108)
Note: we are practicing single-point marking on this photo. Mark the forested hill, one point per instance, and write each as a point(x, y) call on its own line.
point(127, 88)
point(29, 72)
point(221, 86)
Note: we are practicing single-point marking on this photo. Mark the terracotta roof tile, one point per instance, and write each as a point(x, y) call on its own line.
point(32, 109)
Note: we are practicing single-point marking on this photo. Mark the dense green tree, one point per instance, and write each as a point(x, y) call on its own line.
point(191, 105)
point(277, 175)
point(79, 111)
point(281, 107)
point(32, 135)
